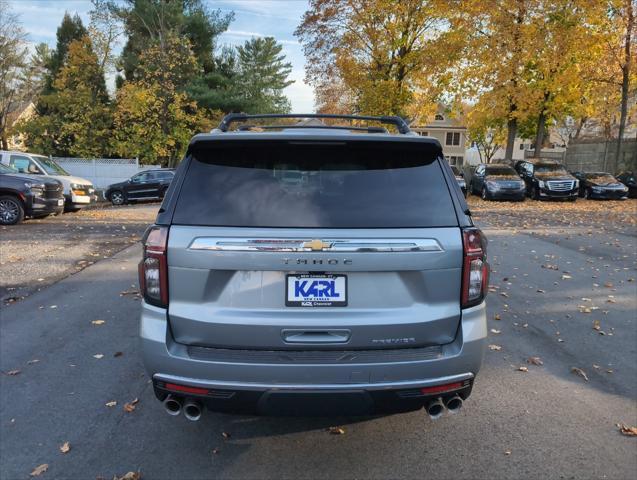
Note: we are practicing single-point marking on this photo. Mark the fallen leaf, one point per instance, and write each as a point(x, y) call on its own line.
point(580, 372)
point(584, 309)
point(129, 407)
point(98, 356)
point(508, 452)
point(31, 362)
point(628, 431)
point(129, 476)
point(226, 435)
point(98, 322)
point(336, 430)
point(496, 348)
point(539, 290)
point(13, 372)
point(504, 294)
point(112, 403)
point(609, 285)
point(497, 317)
point(118, 354)
point(566, 277)
point(535, 361)
point(596, 325)
point(493, 330)
point(522, 369)
point(39, 470)
point(65, 447)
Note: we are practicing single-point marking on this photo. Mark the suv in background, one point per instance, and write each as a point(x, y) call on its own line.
point(146, 185)
point(313, 270)
point(78, 192)
point(547, 179)
point(630, 180)
point(27, 196)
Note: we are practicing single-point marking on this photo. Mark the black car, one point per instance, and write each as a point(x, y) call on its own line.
point(27, 196)
point(547, 179)
point(146, 185)
point(630, 180)
point(497, 182)
point(601, 185)
point(460, 179)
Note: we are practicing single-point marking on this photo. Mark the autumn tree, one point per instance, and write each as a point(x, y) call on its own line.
point(381, 56)
point(155, 118)
point(77, 119)
point(70, 29)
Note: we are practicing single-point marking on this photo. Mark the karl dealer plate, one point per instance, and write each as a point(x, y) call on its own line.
point(316, 290)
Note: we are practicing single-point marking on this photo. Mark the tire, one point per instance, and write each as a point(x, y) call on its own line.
point(117, 197)
point(536, 193)
point(11, 210)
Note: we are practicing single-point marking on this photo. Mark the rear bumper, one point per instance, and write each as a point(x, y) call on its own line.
point(312, 388)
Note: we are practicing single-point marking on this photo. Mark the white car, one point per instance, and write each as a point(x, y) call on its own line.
point(78, 192)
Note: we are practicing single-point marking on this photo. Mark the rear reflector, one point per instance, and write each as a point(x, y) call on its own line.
point(441, 388)
point(183, 388)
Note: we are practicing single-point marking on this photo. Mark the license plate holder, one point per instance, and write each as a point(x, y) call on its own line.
point(315, 290)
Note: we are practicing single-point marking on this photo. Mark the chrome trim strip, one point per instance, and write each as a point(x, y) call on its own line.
point(220, 385)
point(231, 244)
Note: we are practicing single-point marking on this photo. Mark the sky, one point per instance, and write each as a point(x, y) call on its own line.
point(253, 18)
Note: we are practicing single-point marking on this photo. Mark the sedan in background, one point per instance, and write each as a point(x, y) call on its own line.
point(601, 185)
point(630, 180)
point(497, 182)
point(146, 185)
point(460, 179)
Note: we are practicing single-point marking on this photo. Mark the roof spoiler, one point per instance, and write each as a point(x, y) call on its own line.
point(401, 125)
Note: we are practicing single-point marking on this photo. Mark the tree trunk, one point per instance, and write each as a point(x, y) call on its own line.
point(625, 81)
point(512, 132)
point(539, 137)
point(4, 142)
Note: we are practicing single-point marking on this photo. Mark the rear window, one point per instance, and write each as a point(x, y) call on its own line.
point(315, 185)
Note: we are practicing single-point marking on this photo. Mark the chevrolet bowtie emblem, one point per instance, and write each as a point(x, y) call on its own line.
point(317, 245)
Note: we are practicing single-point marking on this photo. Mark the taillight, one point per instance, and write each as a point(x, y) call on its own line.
point(153, 269)
point(475, 269)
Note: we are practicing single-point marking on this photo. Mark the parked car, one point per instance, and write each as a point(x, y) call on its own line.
point(27, 196)
point(78, 192)
point(497, 182)
point(313, 270)
point(601, 185)
point(146, 185)
point(547, 179)
point(460, 179)
point(630, 180)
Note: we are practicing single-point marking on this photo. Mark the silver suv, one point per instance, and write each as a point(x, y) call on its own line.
point(312, 269)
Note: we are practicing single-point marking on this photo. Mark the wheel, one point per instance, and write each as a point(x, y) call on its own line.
point(484, 194)
point(536, 193)
point(117, 197)
point(11, 210)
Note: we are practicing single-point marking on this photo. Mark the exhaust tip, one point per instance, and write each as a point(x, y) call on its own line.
point(192, 411)
point(172, 405)
point(435, 409)
point(454, 404)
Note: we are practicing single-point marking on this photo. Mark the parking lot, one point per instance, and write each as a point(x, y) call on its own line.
point(559, 376)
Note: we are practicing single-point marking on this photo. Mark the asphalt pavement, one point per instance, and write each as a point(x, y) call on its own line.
point(540, 421)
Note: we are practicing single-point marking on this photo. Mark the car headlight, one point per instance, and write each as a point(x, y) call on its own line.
point(576, 183)
point(76, 186)
point(37, 189)
point(521, 185)
point(541, 183)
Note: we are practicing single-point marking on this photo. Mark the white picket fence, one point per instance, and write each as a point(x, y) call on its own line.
point(102, 171)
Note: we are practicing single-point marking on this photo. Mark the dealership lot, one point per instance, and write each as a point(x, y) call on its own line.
point(546, 404)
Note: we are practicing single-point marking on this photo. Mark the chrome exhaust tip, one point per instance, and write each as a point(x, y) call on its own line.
point(192, 410)
point(435, 409)
point(172, 405)
point(454, 404)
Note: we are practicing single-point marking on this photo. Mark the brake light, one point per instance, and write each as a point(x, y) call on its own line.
point(153, 269)
point(475, 269)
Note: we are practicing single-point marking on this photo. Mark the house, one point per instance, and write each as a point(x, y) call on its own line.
point(19, 113)
point(450, 132)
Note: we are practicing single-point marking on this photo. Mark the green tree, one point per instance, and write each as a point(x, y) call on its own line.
point(77, 119)
point(70, 29)
point(263, 74)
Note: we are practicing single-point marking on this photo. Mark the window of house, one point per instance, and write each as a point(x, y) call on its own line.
point(423, 134)
point(521, 146)
point(453, 138)
point(439, 117)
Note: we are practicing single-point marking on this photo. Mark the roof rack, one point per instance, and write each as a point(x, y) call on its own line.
point(399, 122)
point(247, 128)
